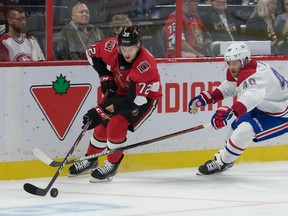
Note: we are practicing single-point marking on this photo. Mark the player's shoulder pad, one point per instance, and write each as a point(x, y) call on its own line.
point(143, 66)
point(248, 71)
point(145, 61)
point(91, 51)
point(110, 45)
point(107, 45)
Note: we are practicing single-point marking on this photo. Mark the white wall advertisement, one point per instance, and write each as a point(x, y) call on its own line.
point(42, 107)
point(2, 115)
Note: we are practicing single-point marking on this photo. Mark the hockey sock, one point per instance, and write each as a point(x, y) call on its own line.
point(240, 138)
point(115, 157)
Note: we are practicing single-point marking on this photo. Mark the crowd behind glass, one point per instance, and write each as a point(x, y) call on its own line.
point(152, 16)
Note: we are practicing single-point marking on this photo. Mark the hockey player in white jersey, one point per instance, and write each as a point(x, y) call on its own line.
point(261, 108)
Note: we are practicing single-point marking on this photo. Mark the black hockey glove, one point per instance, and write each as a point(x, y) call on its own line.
point(107, 83)
point(96, 115)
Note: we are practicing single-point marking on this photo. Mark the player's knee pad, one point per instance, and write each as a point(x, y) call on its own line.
point(112, 145)
point(100, 133)
point(97, 143)
point(241, 137)
point(117, 129)
point(99, 138)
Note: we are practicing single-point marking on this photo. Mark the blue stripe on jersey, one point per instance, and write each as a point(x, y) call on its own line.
point(233, 153)
point(265, 126)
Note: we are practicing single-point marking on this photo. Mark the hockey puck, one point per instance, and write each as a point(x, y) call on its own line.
point(54, 192)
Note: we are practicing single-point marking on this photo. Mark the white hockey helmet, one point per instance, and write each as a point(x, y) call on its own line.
point(237, 51)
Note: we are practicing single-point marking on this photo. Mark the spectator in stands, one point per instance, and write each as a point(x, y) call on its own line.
point(118, 22)
point(261, 25)
point(79, 34)
point(220, 23)
point(194, 35)
point(281, 23)
point(16, 45)
point(2, 23)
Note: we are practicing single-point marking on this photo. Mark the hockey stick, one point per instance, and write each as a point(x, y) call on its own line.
point(44, 158)
point(32, 189)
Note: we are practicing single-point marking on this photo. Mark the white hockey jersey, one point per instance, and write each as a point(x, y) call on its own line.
point(25, 48)
point(258, 85)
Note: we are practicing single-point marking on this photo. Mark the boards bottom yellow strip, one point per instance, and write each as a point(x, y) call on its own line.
point(139, 162)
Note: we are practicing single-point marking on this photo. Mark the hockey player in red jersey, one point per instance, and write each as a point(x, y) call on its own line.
point(261, 108)
point(131, 84)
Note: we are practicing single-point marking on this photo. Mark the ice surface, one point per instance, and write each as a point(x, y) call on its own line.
point(245, 190)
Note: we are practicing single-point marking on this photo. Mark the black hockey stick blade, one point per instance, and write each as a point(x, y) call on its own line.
point(32, 189)
point(45, 159)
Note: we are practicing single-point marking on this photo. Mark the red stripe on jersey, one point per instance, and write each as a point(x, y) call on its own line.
point(279, 113)
point(272, 130)
point(234, 146)
point(217, 95)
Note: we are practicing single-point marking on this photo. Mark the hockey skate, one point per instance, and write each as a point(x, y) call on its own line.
point(82, 167)
point(105, 173)
point(214, 166)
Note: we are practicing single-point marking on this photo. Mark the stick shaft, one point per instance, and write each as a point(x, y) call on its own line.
point(105, 152)
point(30, 188)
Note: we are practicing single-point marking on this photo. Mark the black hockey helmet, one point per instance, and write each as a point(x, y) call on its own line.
point(130, 36)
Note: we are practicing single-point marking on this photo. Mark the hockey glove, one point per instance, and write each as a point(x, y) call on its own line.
point(96, 115)
point(105, 100)
point(202, 99)
point(107, 83)
point(222, 114)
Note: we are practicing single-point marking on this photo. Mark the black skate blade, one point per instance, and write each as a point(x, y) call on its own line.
point(32, 189)
point(201, 174)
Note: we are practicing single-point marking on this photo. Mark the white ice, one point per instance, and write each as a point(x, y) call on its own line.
point(245, 190)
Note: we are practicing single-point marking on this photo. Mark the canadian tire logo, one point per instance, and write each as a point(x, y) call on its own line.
point(60, 102)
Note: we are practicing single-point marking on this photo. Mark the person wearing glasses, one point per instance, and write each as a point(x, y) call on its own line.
point(16, 45)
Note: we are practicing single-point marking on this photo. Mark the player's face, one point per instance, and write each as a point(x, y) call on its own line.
point(80, 14)
point(18, 21)
point(235, 67)
point(129, 52)
point(286, 5)
point(219, 5)
point(272, 6)
point(192, 6)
